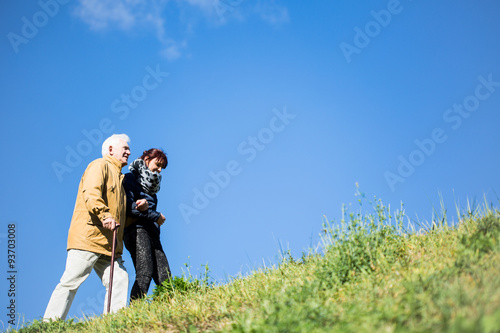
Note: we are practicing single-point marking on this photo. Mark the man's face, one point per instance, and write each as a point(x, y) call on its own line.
point(121, 152)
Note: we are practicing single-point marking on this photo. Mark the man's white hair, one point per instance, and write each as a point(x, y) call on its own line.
point(113, 141)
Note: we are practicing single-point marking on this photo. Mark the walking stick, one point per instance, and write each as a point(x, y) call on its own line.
point(111, 269)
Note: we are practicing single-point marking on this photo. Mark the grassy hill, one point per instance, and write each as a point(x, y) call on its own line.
point(376, 272)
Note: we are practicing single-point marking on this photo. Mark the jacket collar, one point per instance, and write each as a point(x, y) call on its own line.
point(114, 162)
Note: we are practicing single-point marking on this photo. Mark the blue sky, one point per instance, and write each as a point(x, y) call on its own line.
point(270, 112)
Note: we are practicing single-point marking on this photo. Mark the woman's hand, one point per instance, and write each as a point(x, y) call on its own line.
point(161, 219)
point(142, 205)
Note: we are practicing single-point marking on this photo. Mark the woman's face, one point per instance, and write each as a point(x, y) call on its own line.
point(154, 165)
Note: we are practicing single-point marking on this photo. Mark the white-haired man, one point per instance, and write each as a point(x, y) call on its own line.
point(99, 209)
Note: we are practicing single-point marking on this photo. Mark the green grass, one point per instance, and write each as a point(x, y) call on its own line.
point(376, 272)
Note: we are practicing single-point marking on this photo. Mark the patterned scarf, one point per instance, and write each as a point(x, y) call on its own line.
point(149, 180)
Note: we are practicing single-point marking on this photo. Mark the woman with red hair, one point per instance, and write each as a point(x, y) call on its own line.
point(142, 228)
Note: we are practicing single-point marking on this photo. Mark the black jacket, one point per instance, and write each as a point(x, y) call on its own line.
point(136, 218)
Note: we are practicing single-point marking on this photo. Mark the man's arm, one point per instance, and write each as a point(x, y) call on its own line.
point(92, 187)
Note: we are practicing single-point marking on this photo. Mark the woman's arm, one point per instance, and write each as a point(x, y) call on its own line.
point(138, 204)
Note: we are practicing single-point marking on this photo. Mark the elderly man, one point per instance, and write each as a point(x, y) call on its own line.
point(99, 209)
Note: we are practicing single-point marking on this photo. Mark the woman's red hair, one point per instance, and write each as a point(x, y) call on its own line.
point(153, 153)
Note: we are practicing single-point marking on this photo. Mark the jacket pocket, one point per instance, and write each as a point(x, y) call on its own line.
point(94, 220)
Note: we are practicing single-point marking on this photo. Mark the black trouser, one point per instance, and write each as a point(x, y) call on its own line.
point(150, 262)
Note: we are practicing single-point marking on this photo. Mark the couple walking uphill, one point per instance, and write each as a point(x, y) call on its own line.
point(110, 204)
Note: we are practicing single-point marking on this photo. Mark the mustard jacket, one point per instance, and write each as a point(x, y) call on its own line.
point(100, 195)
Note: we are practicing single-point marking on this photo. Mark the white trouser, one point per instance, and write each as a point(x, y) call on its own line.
point(79, 265)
